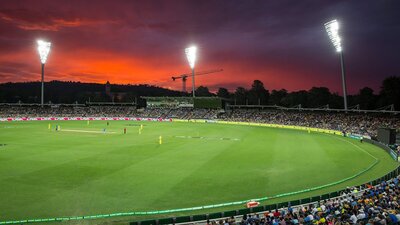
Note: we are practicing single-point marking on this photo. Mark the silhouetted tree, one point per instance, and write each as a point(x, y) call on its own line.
point(296, 98)
point(390, 92)
point(336, 101)
point(240, 96)
point(258, 94)
point(276, 96)
point(203, 91)
point(223, 93)
point(318, 96)
point(366, 98)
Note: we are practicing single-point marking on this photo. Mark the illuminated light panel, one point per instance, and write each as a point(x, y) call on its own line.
point(332, 28)
point(44, 49)
point(191, 55)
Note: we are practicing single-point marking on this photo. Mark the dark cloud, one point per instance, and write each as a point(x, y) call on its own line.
point(282, 43)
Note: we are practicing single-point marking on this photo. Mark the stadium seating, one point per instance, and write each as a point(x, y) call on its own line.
point(356, 123)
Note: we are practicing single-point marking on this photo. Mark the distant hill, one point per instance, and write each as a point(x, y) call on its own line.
point(70, 92)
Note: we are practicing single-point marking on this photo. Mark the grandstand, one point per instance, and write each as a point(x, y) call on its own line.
point(186, 102)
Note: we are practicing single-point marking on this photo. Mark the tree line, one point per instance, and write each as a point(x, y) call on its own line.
point(316, 97)
point(72, 92)
point(257, 94)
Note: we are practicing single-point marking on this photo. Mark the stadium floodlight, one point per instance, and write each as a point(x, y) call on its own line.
point(191, 57)
point(43, 49)
point(332, 28)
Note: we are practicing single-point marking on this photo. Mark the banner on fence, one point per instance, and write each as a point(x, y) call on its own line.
point(9, 119)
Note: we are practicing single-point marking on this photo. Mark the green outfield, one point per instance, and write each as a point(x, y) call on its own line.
point(82, 170)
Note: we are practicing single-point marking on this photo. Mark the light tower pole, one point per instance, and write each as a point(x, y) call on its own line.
point(43, 49)
point(332, 28)
point(191, 57)
point(343, 80)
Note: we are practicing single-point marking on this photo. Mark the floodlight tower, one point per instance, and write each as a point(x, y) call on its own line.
point(191, 57)
point(44, 49)
point(332, 28)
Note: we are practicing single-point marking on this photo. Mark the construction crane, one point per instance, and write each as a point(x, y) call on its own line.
point(185, 76)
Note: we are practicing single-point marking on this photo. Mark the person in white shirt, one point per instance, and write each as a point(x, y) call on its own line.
point(361, 215)
point(323, 208)
point(353, 218)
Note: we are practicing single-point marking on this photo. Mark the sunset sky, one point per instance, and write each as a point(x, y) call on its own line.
point(282, 43)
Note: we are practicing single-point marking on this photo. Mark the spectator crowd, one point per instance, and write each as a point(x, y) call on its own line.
point(357, 123)
point(370, 205)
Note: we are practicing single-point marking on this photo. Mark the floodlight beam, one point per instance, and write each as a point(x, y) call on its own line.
point(332, 28)
point(44, 50)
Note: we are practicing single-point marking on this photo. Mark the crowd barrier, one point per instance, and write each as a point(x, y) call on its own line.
point(200, 217)
point(390, 151)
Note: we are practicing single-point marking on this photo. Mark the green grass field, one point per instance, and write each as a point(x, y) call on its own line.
point(82, 171)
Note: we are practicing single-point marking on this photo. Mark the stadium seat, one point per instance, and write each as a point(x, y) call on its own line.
point(166, 221)
point(214, 215)
point(182, 219)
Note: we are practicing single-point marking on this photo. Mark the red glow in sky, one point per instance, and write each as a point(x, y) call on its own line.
point(143, 42)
